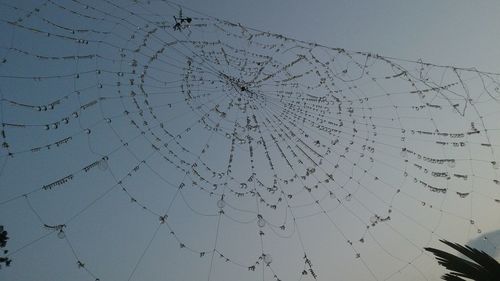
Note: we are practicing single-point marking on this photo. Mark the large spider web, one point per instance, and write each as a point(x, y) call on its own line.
point(139, 146)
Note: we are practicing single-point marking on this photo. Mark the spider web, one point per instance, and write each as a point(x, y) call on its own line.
point(138, 143)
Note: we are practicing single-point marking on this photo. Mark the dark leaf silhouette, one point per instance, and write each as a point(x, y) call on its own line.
point(480, 267)
point(3, 244)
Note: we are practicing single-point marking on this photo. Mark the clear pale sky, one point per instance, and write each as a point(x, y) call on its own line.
point(120, 186)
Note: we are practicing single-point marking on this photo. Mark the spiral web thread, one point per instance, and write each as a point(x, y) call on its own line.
point(138, 142)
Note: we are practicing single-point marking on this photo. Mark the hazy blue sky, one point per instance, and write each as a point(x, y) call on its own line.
point(221, 130)
point(447, 32)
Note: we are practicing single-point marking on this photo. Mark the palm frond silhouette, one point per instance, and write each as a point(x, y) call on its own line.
point(480, 267)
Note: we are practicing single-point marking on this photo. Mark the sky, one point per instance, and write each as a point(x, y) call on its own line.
point(207, 152)
point(458, 33)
